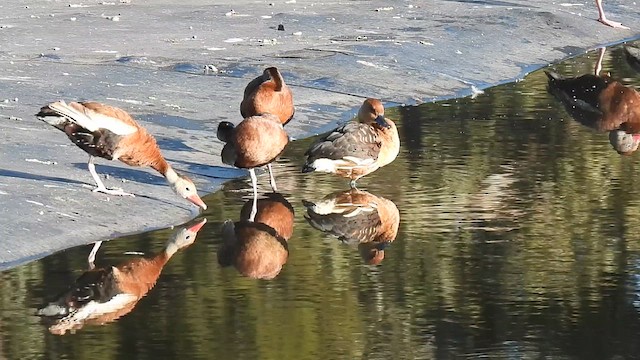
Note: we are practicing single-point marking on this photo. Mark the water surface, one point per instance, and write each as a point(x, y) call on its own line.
point(518, 238)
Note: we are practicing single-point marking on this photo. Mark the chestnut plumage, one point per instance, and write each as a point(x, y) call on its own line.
point(255, 142)
point(268, 93)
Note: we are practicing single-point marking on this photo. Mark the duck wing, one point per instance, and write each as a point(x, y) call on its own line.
point(354, 141)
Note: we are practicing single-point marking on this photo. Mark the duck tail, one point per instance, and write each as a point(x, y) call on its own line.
point(59, 114)
point(225, 129)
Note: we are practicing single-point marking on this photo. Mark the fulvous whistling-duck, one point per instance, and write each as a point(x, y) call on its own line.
point(103, 295)
point(256, 141)
point(111, 133)
point(357, 148)
point(357, 218)
point(259, 249)
point(268, 93)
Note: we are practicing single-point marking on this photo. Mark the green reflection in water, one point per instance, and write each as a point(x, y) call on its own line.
point(518, 238)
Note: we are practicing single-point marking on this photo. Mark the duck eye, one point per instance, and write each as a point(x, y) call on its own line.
point(187, 188)
point(188, 237)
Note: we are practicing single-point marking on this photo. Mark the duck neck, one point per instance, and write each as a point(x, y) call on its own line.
point(276, 77)
point(162, 166)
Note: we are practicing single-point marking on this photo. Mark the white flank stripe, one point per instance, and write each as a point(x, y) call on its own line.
point(324, 165)
point(92, 120)
point(359, 161)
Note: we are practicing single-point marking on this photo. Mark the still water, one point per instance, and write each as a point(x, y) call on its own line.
point(518, 238)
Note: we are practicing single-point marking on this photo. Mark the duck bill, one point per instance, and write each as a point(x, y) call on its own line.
point(380, 120)
point(195, 228)
point(196, 200)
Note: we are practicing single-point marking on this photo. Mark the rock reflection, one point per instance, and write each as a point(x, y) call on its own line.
point(103, 295)
point(258, 249)
point(357, 218)
point(601, 103)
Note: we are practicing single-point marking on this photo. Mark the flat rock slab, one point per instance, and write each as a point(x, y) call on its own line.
point(180, 68)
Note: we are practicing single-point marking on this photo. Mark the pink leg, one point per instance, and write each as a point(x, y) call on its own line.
point(603, 18)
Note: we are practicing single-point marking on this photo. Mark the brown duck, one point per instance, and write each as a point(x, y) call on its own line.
point(255, 142)
point(268, 93)
point(357, 148)
point(111, 133)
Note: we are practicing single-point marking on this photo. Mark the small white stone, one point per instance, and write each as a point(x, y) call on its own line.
point(297, 33)
point(210, 69)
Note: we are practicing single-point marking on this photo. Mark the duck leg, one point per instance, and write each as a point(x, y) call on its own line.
point(598, 67)
point(603, 18)
point(101, 188)
point(272, 179)
point(254, 183)
point(92, 254)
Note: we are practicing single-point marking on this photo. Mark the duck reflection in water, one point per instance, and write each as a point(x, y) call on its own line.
point(603, 104)
point(258, 249)
point(103, 295)
point(357, 218)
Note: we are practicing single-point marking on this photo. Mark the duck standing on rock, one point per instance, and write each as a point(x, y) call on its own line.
point(111, 133)
point(357, 148)
point(256, 141)
point(260, 138)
